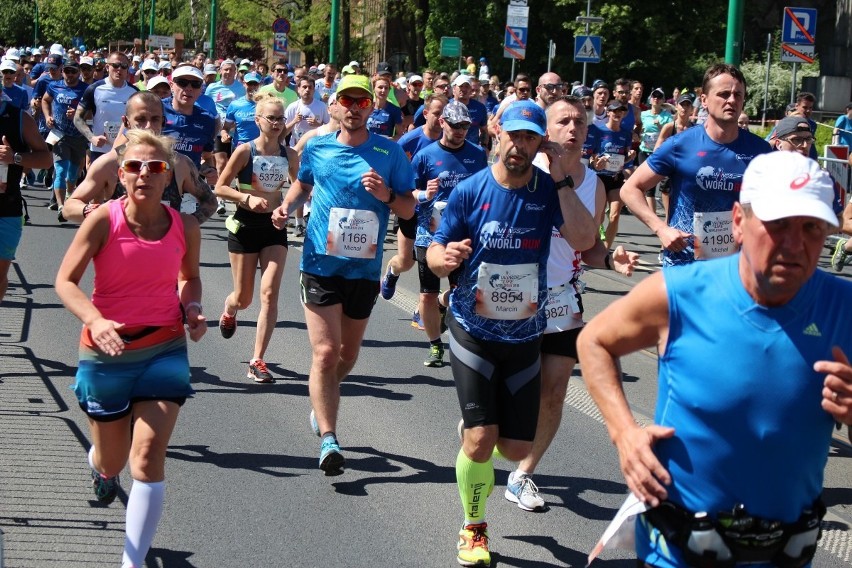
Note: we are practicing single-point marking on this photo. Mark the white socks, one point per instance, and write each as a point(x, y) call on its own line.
point(144, 509)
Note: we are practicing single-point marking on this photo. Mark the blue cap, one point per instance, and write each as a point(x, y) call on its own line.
point(252, 78)
point(524, 115)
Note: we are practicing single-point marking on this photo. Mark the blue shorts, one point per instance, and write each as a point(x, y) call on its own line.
point(11, 229)
point(107, 386)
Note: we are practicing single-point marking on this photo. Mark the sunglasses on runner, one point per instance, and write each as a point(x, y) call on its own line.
point(8, 72)
point(361, 102)
point(154, 166)
point(184, 83)
point(799, 141)
point(458, 125)
point(273, 119)
point(119, 65)
point(70, 70)
point(553, 86)
point(279, 70)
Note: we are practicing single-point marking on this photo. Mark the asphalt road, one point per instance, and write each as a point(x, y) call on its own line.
point(243, 488)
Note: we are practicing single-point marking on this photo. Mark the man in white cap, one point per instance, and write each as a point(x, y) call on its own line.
point(190, 124)
point(753, 374)
point(148, 70)
point(103, 103)
point(224, 92)
point(413, 87)
point(463, 92)
point(17, 95)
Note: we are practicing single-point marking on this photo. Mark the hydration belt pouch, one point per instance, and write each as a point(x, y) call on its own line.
point(749, 538)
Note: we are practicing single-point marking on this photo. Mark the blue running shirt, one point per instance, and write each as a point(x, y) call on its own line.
point(194, 134)
point(347, 226)
point(506, 276)
point(241, 113)
point(705, 178)
point(450, 167)
point(65, 98)
point(414, 140)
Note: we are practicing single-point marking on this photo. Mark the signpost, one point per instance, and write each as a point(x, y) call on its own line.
point(517, 31)
point(161, 42)
point(280, 29)
point(451, 46)
point(582, 47)
point(587, 49)
point(798, 35)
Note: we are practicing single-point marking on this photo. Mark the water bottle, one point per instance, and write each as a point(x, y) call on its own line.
point(705, 541)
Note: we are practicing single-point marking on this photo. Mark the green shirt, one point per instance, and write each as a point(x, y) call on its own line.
point(287, 96)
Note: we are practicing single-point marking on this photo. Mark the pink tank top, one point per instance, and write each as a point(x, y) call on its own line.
point(136, 280)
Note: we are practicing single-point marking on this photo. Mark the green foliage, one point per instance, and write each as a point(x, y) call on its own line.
point(16, 23)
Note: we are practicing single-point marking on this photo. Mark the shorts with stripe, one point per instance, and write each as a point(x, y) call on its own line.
point(497, 383)
point(107, 386)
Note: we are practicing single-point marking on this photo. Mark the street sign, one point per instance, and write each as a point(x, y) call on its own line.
point(281, 26)
point(161, 42)
point(280, 45)
point(587, 49)
point(799, 25)
point(518, 16)
point(589, 20)
point(515, 43)
point(793, 53)
point(451, 46)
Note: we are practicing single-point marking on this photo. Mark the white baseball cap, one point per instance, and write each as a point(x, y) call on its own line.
point(136, 59)
point(13, 54)
point(164, 65)
point(8, 65)
point(149, 65)
point(87, 61)
point(354, 63)
point(780, 184)
point(58, 49)
point(157, 80)
point(462, 80)
point(187, 71)
point(415, 79)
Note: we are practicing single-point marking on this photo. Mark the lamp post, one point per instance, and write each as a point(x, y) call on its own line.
point(35, 32)
point(213, 10)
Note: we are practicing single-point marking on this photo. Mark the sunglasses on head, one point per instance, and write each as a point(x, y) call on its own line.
point(184, 83)
point(119, 65)
point(361, 102)
point(154, 166)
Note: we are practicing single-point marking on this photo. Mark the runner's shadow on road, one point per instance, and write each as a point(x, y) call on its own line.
point(837, 496)
point(571, 492)
point(384, 344)
point(382, 463)
point(162, 558)
point(266, 464)
point(564, 556)
point(286, 382)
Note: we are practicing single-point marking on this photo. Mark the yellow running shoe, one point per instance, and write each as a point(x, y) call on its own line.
point(473, 545)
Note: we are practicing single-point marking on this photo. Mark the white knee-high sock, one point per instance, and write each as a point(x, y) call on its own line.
point(144, 509)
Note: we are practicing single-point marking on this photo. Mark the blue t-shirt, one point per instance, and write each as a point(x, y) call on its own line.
point(384, 121)
point(415, 140)
point(491, 104)
point(344, 215)
point(450, 167)
point(39, 90)
point(705, 176)
point(510, 236)
point(419, 119)
point(37, 70)
point(65, 98)
point(18, 97)
point(603, 140)
point(223, 95)
point(478, 119)
point(845, 123)
point(736, 382)
point(194, 133)
point(207, 104)
point(241, 113)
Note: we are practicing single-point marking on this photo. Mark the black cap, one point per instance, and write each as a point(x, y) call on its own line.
point(616, 104)
point(598, 84)
point(384, 68)
point(660, 92)
point(53, 61)
point(791, 125)
point(685, 97)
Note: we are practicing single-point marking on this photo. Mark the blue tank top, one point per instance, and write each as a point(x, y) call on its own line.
point(737, 384)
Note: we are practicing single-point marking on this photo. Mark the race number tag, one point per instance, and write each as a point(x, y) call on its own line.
point(615, 163)
point(111, 130)
point(562, 308)
point(713, 234)
point(269, 173)
point(649, 139)
point(353, 233)
point(507, 292)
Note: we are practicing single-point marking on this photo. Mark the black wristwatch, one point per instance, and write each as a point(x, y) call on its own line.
point(18, 159)
point(392, 197)
point(567, 182)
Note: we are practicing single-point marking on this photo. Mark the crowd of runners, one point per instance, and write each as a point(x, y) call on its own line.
point(500, 193)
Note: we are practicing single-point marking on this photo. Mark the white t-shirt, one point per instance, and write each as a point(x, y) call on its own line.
point(316, 108)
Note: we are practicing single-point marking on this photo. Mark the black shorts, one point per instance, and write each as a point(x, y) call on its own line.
point(408, 227)
point(612, 183)
point(255, 234)
point(219, 146)
point(562, 343)
point(497, 383)
point(429, 281)
point(358, 296)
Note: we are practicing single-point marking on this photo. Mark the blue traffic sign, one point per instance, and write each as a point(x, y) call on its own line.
point(281, 26)
point(516, 38)
point(799, 25)
point(587, 49)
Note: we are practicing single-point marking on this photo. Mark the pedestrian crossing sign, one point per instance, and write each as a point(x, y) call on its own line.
point(587, 49)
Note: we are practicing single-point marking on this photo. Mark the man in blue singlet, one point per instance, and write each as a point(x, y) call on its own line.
point(753, 374)
point(705, 166)
point(497, 226)
point(342, 253)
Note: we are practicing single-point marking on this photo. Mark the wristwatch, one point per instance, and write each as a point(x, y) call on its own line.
point(18, 158)
point(391, 199)
point(567, 182)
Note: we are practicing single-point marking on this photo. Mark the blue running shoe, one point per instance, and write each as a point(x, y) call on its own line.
point(417, 321)
point(331, 461)
point(389, 284)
